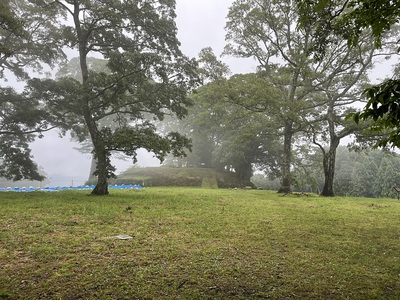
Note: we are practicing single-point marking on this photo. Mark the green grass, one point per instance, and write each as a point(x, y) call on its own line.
point(198, 244)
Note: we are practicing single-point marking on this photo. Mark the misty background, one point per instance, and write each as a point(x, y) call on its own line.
point(200, 24)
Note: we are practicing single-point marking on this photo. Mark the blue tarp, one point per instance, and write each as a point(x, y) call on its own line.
point(67, 188)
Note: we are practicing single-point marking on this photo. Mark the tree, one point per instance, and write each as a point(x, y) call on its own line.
point(25, 47)
point(314, 92)
point(364, 177)
point(386, 178)
point(203, 123)
point(344, 77)
point(266, 30)
point(383, 108)
point(350, 19)
point(148, 74)
point(226, 134)
point(9, 23)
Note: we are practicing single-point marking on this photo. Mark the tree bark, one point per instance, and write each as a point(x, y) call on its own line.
point(287, 159)
point(329, 161)
point(101, 187)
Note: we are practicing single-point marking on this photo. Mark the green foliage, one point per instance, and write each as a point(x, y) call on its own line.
point(350, 19)
point(9, 22)
point(230, 127)
point(16, 160)
point(25, 44)
point(21, 117)
point(145, 75)
point(185, 177)
point(31, 36)
point(347, 19)
point(364, 178)
point(372, 173)
point(311, 95)
point(383, 108)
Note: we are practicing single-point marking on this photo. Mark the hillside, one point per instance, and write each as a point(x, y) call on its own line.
point(169, 176)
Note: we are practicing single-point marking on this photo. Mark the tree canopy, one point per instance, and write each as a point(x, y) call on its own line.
point(148, 74)
point(26, 46)
point(350, 19)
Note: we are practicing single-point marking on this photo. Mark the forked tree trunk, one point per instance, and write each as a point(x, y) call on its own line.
point(329, 162)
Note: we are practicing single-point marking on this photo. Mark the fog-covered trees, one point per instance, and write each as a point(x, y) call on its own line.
point(148, 75)
point(26, 46)
point(314, 94)
point(372, 173)
point(129, 74)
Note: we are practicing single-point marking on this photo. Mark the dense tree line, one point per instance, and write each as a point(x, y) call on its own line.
point(287, 119)
point(373, 174)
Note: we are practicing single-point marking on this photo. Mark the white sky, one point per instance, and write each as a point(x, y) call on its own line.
point(200, 24)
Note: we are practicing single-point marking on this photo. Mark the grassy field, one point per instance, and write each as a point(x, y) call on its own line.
point(198, 244)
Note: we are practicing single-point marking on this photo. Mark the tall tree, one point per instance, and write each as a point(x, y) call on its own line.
point(265, 30)
point(148, 74)
point(9, 23)
point(364, 177)
point(227, 132)
point(386, 178)
point(340, 86)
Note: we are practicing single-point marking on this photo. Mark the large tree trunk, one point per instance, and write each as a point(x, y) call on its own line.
point(287, 138)
point(287, 158)
point(101, 187)
point(329, 167)
point(244, 171)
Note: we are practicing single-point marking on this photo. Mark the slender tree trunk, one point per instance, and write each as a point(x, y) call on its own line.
point(288, 135)
point(287, 158)
point(330, 156)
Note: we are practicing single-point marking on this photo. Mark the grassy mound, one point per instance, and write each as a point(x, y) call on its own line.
point(184, 177)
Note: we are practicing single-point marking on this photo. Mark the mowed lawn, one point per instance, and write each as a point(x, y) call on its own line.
point(198, 244)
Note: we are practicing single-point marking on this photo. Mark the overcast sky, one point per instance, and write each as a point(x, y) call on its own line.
point(200, 24)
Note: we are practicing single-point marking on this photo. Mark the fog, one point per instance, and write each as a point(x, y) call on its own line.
point(200, 24)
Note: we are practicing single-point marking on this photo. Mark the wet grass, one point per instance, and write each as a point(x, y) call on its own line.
point(198, 244)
